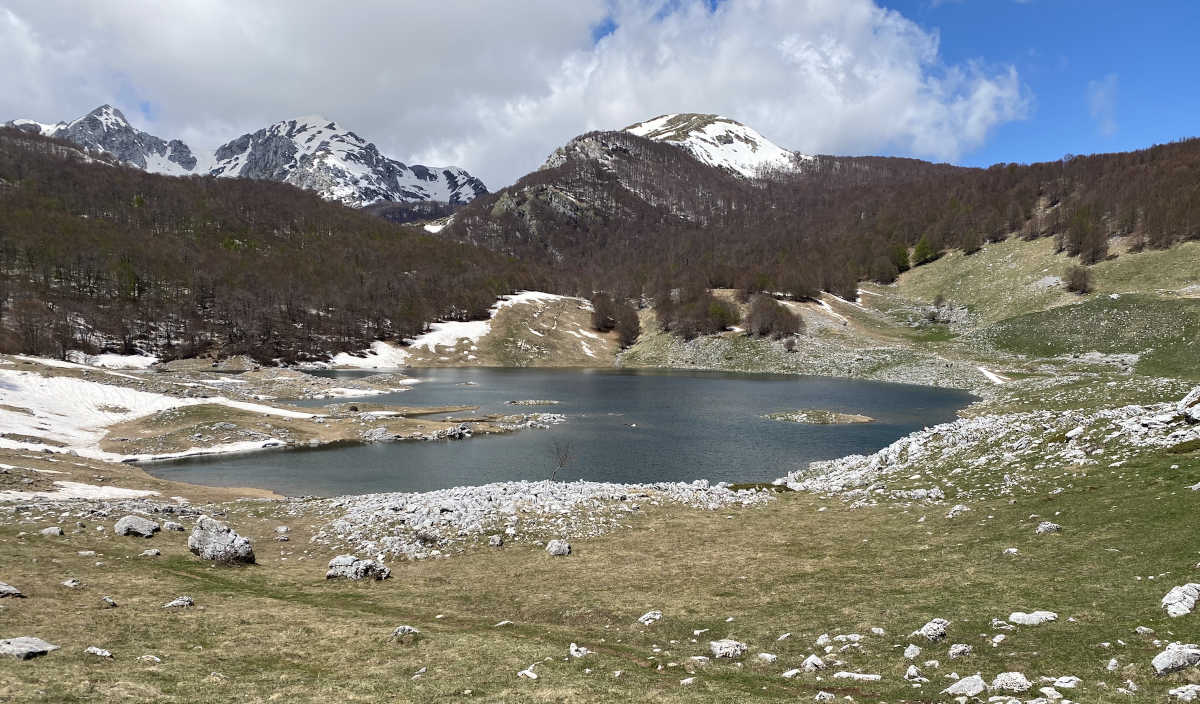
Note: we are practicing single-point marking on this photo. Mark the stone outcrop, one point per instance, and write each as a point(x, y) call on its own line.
point(215, 541)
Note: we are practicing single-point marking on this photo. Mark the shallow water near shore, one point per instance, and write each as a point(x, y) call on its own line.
point(622, 426)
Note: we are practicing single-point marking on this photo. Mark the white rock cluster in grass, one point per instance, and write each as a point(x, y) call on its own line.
point(435, 523)
point(1181, 600)
point(1186, 693)
point(1029, 445)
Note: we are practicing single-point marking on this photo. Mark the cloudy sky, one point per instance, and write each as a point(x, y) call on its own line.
point(495, 86)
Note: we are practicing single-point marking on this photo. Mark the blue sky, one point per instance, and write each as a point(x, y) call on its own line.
point(1137, 63)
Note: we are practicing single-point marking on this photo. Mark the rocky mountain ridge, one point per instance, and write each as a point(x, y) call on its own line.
point(311, 152)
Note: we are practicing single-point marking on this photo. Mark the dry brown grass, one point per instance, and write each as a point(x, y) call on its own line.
point(279, 630)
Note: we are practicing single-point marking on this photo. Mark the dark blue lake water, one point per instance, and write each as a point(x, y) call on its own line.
point(689, 425)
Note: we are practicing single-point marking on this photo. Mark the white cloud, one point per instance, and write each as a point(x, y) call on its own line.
point(494, 87)
point(1102, 104)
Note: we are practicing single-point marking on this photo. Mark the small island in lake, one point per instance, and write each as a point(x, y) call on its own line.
point(818, 417)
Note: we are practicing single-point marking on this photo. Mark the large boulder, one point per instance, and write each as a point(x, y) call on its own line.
point(137, 526)
point(1189, 407)
point(1011, 682)
point(727, 648)
point(1181, 600)
point(971, 686)
point(215, 541)
point(1177, 656)
point(558, 548)
point(1036, 618)
point(350, 567)
point(935, 630)
point(25, 647)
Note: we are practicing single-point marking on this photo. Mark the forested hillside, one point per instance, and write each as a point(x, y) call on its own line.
point(613, 210)
point(94, 254)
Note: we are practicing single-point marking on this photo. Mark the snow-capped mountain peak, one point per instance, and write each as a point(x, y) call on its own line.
point(106, 117)
point(316, 153)
point(310, 152)
point(720, 142)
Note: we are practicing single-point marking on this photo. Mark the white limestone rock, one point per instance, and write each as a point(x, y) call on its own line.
point(971, 686)
point(650, 617)
point(957, 510)
point(8, 590)
point(136, 526)
point(350, 567)
point(959, 650)
point(1181, 600)
point(1176, 656)
point(180, 602)
point(98, 652)
point(813, 663)
point(215, 541)
point(727, 648)
point(934, 631)
point(1186, 693)
point(912, 652)
point(1011, 682)
point(1036, 618)
point(25, 647)
point(857, 676)
point(1047, 527)
point(558, 548)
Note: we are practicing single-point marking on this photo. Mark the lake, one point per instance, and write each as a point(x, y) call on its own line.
point(622, 426)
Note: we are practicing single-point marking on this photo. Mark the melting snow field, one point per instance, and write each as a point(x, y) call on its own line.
point(70, 413)
point(77, 490)
point(384, 355)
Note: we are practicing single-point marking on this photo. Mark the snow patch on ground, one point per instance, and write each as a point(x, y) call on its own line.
point(112, 361)
point(72, 414)
point(77, 490)
point(381, 355)
point(992, 376)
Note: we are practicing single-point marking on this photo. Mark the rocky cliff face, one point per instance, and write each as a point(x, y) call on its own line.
point(312, 153)
point(105, 129)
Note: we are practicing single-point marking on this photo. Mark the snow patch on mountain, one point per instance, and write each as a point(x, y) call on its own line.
point(720, 142)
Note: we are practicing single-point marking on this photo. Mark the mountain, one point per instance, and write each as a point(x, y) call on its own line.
point(317, 154)
point(720, 142)
point(177, 265)
point(700, 200)
point(312, 153)
point(106, 129)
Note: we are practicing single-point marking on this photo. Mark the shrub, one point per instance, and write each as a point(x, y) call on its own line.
point(768, 318)
point(1079, 280)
